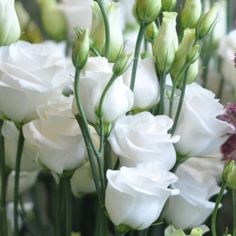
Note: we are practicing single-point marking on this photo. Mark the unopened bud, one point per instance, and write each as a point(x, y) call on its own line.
point(199, 231)
point(191, 13)
point(9, 23)
point(121, 63)
point(194, 54)
point(147, 10)
point(227, 170)
point(193, 71)
point(207, 22)
point(81, 49)
point(166, 43)
point(151, 32)
point(168, 5)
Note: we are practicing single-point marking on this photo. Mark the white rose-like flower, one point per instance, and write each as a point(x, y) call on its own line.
point(201, 132)
point(11, 137)
point(118, 100)
point(197, 183)
point(27, 179)
point(56, 137)
point(30, 75)
point(135, 196)
point(78, 14)
point(144, 138)
point(146, 89)
point(227, 52)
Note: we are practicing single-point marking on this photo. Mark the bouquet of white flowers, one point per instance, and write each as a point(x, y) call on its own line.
point(108, 126)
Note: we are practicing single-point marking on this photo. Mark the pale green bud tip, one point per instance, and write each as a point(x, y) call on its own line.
point(194, 54)
point(120, 65)
point(147, 11)
point(81, 48)
point(168, 5)
point(151, 32)
point(199, 231)
point(207, 22)
point(229, 168)
point(191, 13)
point(9, 25)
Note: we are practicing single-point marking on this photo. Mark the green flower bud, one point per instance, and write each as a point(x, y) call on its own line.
point(53, 20)
point(193, 71)
point(199, 231)
point(171, 231)
point(182, 52)
point(151, 32)
point(231, 181)
point(9, 24)
point(193, 54)
point(120, 65)
point(191, 13)
point(98, 29)
point(168, 5)
point(147, 10)
point(227, 170)
point(81, 49)
point(207, 22)
point(166, 43)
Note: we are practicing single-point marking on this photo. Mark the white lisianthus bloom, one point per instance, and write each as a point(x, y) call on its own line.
point(198, 182)
point(78, 14)
point(146, 89)
point(201, 132)
point(94, 78)
point(135, 196)
point(11, 137)
point(144, 138)
point(9, 24)
point(30, 75)
point(26, 180)
point(82, 181)
point(56, 137)
point(227, 52)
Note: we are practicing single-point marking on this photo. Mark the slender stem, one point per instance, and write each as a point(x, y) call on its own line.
point(137, 53)
point(58, 209)
point(205, 73)
point(68, 206)
point(107, 27)
point(234, 211)
point(4, 177)
point(162, 95)
point(230, 15)
point(217, 204)
point(181, 100)
point(17, 180)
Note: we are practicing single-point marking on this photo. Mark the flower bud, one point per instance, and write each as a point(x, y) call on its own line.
point(181, 54)
point(193, 71)
point(191, 13)
point(229, 175)
point(9, 24)
point(121, 63)
point(147, 10)
point(81, 49)
point(53, 20)
point(194, 54)
point(98, 29)
point(166, 43)
point(207, 22)
point(199, 231)
point(151, 32)
point(168, 5)
point(227, 170)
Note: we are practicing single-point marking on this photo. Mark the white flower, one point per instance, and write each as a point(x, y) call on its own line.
point(201, 132)
point(226, 51)
point(11, 137)
point(118, 100)
point(57, 137)
point(146, 89)
point(82, 181)
point(27, 179)
point(197, 183)
point(78, 14)
point(9, 23)
point(144, 138)
point(135, 196)
point(30, 75)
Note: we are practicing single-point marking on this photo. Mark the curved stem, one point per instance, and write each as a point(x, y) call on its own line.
point(137, 53)
point(17, 180)
point(217, 204)
point(107, 27)
point(4, 177)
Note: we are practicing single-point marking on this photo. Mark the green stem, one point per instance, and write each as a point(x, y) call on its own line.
point(107, 27)
point(4, 177)
point(205, 73)
point(217, 204)
point(17, 180)
point(137, 53)
point(230, 15)
point(234, 211)
point(162, 95)
point(68, 206)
